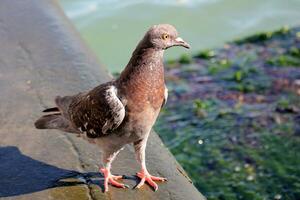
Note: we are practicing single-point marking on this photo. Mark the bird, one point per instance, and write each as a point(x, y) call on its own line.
point(123, 110)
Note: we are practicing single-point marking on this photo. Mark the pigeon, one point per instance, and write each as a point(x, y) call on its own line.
point(121, 111)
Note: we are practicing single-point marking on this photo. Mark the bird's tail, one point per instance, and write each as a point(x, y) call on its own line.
point(54, 121)
point(57, 117)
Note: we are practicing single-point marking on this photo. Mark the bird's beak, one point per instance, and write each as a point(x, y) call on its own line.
point(180, 42)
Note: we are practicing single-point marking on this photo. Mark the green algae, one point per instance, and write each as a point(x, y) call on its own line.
point(205, 54)
point(215, 67)
point(285, 61)
point(71, 188)
point(231, 160)
point(261, 37)
point(185, 59)
point(229, 124)
point(294, 51)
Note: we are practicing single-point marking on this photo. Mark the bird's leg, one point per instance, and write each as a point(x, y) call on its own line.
point(140, 147)
point(108, 177)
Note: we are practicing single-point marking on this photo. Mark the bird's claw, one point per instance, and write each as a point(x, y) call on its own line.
point(146, 177)
point(109, 178)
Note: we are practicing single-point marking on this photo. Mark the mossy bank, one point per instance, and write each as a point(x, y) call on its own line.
point(233, 117)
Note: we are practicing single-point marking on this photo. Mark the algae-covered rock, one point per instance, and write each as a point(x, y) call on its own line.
point(237, 135)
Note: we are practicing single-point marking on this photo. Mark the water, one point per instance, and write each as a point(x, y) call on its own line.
point(113, 28)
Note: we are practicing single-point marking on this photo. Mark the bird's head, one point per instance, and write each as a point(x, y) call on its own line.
point(164, 36)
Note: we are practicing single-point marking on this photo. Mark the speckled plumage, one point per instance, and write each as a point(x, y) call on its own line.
point(124, 110)
point(98, 112)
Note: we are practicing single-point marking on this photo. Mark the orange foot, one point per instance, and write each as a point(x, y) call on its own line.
point(109, 178)
point(146, 177)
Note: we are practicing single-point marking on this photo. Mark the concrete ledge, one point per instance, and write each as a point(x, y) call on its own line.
point(42, 56)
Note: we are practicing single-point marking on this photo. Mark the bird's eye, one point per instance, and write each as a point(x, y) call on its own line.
point(165, 36)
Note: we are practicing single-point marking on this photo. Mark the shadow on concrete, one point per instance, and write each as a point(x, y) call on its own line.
point(20, 174)
point(90, 178)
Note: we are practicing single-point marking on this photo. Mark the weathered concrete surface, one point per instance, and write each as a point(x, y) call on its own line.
point(42, 56)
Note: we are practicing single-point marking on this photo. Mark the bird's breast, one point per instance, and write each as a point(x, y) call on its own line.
point(144, 100)
point(138, 124)
point(143, 96)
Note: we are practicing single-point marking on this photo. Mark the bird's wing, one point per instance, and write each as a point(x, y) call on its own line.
point(97, 112)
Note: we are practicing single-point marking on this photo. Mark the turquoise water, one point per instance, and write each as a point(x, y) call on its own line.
point(113, 28)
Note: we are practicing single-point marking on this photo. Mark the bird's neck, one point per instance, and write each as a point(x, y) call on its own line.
point(145, 65)
point(142, 82)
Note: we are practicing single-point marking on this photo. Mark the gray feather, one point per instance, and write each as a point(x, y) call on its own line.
point(54, 121)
